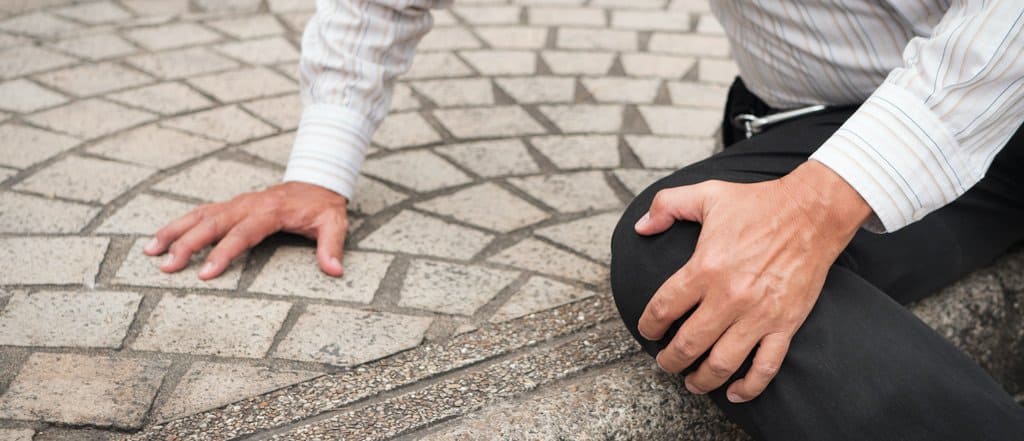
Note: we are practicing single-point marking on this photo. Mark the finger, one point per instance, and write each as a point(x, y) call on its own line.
point(724, 360)
point(674, 204)
point(765, 366)
point(697, 334)
point(673, 299)
point(330, 241)
point(207, 231)
point(172, 231)
point(243, 236)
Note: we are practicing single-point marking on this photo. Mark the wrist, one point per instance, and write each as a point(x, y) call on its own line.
point(828, 199)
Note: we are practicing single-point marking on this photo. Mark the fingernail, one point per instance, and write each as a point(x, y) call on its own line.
point(643, 220)
point(151, 246)
point(733, 398)
point(206, 269)
point(693, 389)
point(168, 259)
point(336, 262)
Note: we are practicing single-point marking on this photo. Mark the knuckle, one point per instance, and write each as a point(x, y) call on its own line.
point(685, 347)
point(718, 368)
point(660, 309)
point(766, 370)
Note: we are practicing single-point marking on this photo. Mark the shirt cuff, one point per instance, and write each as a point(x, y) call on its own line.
point(329, 147)
point(899, 156)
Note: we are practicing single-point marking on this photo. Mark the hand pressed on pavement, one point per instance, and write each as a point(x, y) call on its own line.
point(244, 221)
point(759, 266)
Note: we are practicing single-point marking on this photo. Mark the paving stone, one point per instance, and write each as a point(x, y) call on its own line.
point(7, 173)
point(170, 36)
point(203, 324)
point(698, 95)
point(229, 5)
point(442, 17)
point(85, 179)
point(539, 89)
point(282, 111)
point(228, 123)
point(501, 62)
point(23, 96)
point(24, 60)
point(402, 99)
point(276, 149)
point(673, 153)
point(622, 90)
point(540, 15)
point(690, 5)
point(209, 385)
point(406, 129)
point(16, 434)
point(513, 37)
point(218, 180)
point(456, 92)
point(295, 21)
point(90, 118)
point(138, 269)
point(570, 192)
point(534, 255)
point(84, 390)
point(51, 260)
point(631, 4)
point(414, 233)
point(96, 47)
point(243, 84)
point(494, 158)
point(488, 15)
point(157, 7)
point(591, 236)
point(652, 20)
point(30, 214)
point(603, 39)
point(575, 63)
point(248, 27)
point(94, 13)
point(670, 120)
point(538, 294)
point(689, 44)
point(348, 337)
point(8, 40)
point(93, 319)
point(417, 170)
point(579, 151)
point(717, 71)
point(487, 206)
point(636, 180)
point(585, 118)
point(163, 98)
point(154, 146)
point(436, 65)
point(488, 121)
point(290, 5)
point(39, 25)
point(293, 271)
point(268, 50)
point(654, 65)
point(451, 288)
point(372, 196)
point(24, 146)
point(182, 63)
point(444, 38)
point(709, 25)
point(144, 214)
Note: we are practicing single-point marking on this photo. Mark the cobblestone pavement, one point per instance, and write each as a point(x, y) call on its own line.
point(476, 265)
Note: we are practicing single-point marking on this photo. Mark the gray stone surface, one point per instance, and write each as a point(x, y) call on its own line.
point(97, 319)
point(293, 271)
point(80, 389)
point(492, 158)
point(154, 146)
point(535, 255)
point(16, 434)
point(669, 152)
point(142, 270)
point(538, 294)
point(487, 206)
point(164, 98)
point(451, 288)
point(218, 179)
point(143, 214)
point(488, 121)
point(65, 260)
point(344, 336)
point(226, 327)
point(90, 118)
point(85, 179)
point(209, 385)
point(411, 232)
point(579, 151)
point(416, 170)
point(24, 146)
point(591, 236)
point(24, 96)
point(32, 214)
point(570, 192)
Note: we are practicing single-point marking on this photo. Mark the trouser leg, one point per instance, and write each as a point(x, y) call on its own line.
point(862, 366)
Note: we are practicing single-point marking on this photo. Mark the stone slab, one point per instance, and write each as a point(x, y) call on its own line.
point(293, 271)
point(451, 288)
point(535, 255)
point(94, 319)
point(66, 260)
point(85, 179)
point(415, 233)
point(139, 269)
point(487, 206)
point(20, 213)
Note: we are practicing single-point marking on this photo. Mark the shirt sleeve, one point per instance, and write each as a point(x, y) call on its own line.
point(930, 131)
point(351, 53)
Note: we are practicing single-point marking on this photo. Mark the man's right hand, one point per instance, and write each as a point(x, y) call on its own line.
point(244, 221)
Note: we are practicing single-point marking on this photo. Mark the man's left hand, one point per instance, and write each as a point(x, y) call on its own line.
point(759, 266)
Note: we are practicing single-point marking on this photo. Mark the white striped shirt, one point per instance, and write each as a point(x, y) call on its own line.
point(942, 85)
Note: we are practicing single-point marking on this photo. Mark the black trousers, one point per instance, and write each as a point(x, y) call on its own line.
point(862, 366)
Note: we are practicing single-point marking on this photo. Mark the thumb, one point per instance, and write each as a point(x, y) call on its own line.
point(674, 204)
point(330, 239)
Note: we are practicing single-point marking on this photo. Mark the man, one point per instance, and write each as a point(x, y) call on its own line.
point(749, 272)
